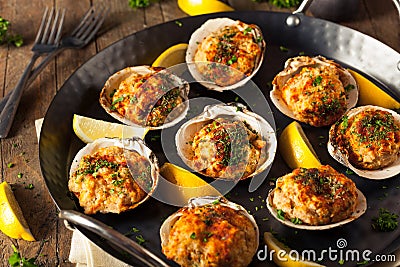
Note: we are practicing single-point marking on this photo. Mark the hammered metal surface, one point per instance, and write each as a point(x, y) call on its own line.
point(58, 143)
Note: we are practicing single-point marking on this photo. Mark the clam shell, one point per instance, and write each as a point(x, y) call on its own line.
point(133, 144)
point(187, 131)
point(293, 66)
point(383, 173)
point(209, 27)
point(198, 202)
point(360, 210)
point(115, 80)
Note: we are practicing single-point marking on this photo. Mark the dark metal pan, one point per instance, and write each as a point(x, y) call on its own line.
point(58, 143)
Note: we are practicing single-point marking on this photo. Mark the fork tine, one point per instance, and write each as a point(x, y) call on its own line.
point(87, 23)
point(98, 25)
point(91, 25)
point(83, 20)
point(60, 25)
point(41, 27)
point(46, 30)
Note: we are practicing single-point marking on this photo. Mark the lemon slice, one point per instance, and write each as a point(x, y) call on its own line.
point(198, 7)
point(89, 129)
point(281, 256)
point(12, 221)
point(188, 184)
point(296, 149)
point(370, 94)
point(172, 56)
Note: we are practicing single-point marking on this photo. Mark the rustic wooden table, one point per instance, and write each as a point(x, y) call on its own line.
point(378, 19)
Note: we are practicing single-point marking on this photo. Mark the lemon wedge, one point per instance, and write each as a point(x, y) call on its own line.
point(198, 7)
point(89, 129)
point(172, 56)
point(370, 94)
point(188, 184)
point(296, 149)
point(281, 256)
point(12, 221)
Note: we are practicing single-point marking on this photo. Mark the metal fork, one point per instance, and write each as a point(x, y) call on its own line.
point(83, 33)
point(47, 39)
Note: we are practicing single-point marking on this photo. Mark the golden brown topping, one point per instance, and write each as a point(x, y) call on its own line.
point(104, 183)
point(370, 138)
point(315, 196)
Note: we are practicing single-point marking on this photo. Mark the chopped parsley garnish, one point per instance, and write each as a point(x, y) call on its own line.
point(247, 30)
point(317, 81)
point(119, 99)
point(177, 22)
point(280, 214)
point(140, 240)
point(349, 87)
point(16, 260)
point(29, 186)
point(232, 60)
point(10, 165)
point(386, 221)
point(193, 236)
point(283, 49)
point(95, 165)
point(296, 221)
point(349, 172)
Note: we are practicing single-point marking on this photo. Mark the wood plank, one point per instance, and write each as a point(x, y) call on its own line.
point(171, 11)
point(20, 148)
point(386, 29)
point(122, 20)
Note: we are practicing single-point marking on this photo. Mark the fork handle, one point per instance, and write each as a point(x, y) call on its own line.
point(33, 74)
point(8, 113)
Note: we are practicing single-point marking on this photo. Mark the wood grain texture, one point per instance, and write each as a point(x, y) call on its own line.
point(378, 19)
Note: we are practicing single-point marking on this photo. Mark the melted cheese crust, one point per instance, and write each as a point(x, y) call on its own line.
point(236, 51)
point(103, 182)
point(316, 196)
point(316, 95)
point(370, 139)
point(211, 235)
point(147, 99)
point(227, 149)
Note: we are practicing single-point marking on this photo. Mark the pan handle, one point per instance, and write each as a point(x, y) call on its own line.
point(397, 4)
point(128, 245)
point(303, 7)
point(294, 20)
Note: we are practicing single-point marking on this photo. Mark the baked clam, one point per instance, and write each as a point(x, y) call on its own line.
point(145, 96)
point(227, 141)
point(113, 175)
point(314, 90)
point(224, 54)
point(210, 231)
point(367, 141)
point(315, 199)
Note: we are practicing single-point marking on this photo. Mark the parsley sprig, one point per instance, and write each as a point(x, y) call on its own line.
point(16, 260)
point(138, 3)
point(386, 221)
point(6, 37)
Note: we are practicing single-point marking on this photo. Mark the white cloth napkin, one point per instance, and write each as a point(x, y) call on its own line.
point(85, 253)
